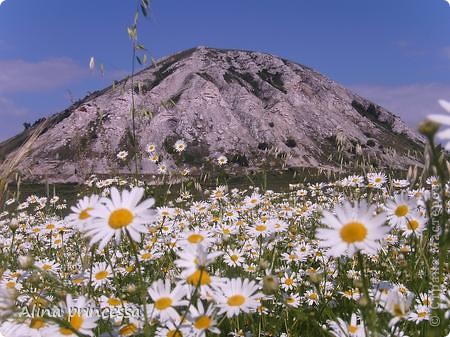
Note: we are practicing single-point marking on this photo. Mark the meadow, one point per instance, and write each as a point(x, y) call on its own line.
point(361, 255)
point(304, 254)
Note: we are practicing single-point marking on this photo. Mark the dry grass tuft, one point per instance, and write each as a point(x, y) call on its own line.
point(9, 166)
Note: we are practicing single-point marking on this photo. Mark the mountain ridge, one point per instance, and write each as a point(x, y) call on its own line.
point(220, 101)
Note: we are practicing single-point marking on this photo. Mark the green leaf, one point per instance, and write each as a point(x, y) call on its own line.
point(144, 10)
point(140, 47)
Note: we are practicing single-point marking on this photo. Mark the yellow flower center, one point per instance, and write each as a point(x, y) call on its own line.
point(234, 258)
point(163, 303)
point(412, 224)
point(422, 314)
point(199, 277)
point(146, 256)
point(261, 228)
point(313, 296)
point(85, 214)
point(37, 323)
point(236, 300)
point(128, 330)
point(289, 281)
point(203, 322)
point(11, 284)
point(76, 321)
point(120, 218)
point(174, 333)
point(46, 267)
point(398, 311)
point(101, 275)
point(353, 232)
point(195, 238)
point(114, 301)
point(401, 210)
point(352, 328)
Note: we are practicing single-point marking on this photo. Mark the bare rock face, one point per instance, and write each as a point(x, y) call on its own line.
point(238, 103)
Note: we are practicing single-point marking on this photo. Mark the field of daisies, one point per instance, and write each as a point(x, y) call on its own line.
point(363, 255)
point(354, 257)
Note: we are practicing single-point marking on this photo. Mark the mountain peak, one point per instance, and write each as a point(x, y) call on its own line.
point(242, 104)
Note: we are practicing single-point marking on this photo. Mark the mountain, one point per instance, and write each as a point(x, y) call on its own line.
point(249, 106)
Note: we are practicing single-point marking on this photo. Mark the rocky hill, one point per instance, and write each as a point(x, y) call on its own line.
point(246, 105)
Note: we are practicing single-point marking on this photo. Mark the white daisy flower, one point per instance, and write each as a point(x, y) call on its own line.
point(179, 146)
point(293, 300)
point(289, 282)
point(376, 179)
point(400, 209)
point(48, 266)
point(444, 120)
point(150, 148)
point(81, 212)
point(236, 295)
point(234, 258)
point(162, 168)
point(165, 299)
point(79, 317)
point(420, 313)
point(352, 229)
point(222, 160)
point(355, 328)
point(415, 224)
point(122, 212)
point(122, 155)
point(101, 274)
point(203, 320)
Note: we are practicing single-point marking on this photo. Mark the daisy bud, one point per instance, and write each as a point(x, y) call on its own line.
point(270, 284)
point(363, 301)
point(263, 264)
point(358, 284)
point(35, 278)
point(131, 288)
point(61, 293)
point(26, 261)
point(428, 128)
point(14, 224)
point(403, 264)
point(315, 277)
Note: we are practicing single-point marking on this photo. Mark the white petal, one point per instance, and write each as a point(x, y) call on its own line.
point(441, 119)
point(445, 105)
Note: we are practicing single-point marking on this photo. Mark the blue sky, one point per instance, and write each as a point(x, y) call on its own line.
point(396, 52)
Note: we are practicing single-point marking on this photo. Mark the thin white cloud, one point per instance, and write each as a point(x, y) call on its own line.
point(410, 102)
point(22, 76)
